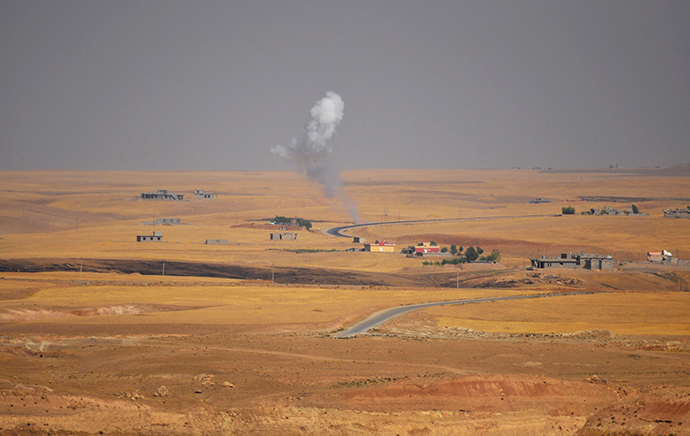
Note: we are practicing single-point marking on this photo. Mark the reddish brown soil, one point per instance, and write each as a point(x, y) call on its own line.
point(222, 380)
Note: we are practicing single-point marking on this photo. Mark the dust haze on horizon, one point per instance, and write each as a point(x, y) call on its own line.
point(214, 85)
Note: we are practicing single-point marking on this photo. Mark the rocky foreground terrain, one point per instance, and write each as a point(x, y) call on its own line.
point(408, 379)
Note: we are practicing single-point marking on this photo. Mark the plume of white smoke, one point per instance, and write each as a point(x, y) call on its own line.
point(311, 149)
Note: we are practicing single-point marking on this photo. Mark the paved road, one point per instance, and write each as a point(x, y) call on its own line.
point(386, 315)
point(335, 231)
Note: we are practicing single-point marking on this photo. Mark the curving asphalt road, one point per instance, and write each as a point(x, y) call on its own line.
point(335, 231)
point(386, 315)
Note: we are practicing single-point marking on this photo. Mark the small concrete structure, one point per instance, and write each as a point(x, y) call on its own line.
point(555, 262)
point(217, 242)
point(156, 237)
point(168, 221)
point(380, 247)
point(199, 194)
point(358, 240)
point(162, 194)
point(284, 236)
point(595, 261)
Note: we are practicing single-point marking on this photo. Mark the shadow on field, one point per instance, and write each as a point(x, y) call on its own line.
point(281, 275)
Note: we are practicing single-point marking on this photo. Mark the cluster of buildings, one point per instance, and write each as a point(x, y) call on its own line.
point(385, 247)
point(660, 256)
point(570, 260)
point(163, 194)
point(677, 213)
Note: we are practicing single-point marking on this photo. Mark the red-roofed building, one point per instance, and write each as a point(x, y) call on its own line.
point(426, 247)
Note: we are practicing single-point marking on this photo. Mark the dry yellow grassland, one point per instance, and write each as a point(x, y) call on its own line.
point(106, 209)
point(632, 313)
point(213, 301)
point(91, 352)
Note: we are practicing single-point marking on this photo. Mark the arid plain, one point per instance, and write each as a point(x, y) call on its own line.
point(101, 334)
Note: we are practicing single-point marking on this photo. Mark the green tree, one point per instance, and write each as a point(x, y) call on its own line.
point(304, 223)
point(279, 219)
point(471, 254)
point(444, 250)
point(453, 249)
point(460, 249)
point(433, 243)
point(568, 210)
point(479, 250)
point(635, 209)
point(495, 256)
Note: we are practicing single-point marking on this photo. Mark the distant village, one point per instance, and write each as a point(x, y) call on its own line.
point(163, 194)
point(452, 255)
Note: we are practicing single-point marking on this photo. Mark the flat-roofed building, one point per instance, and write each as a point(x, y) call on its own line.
point(156, 237)
point(380, 247)
point(162, 194)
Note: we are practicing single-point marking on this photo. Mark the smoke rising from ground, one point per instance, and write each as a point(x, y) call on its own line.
point(310, 151)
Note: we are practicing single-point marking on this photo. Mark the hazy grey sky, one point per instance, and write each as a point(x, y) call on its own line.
point(426, 84)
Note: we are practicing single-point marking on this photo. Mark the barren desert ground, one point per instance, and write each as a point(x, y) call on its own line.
point(101, 334)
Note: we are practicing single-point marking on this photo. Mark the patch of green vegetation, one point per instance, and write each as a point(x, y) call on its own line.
point(472, 254)
point(311, 250)
point(279, 219)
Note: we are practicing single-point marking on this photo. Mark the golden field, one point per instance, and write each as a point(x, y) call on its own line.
point(239, 334)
